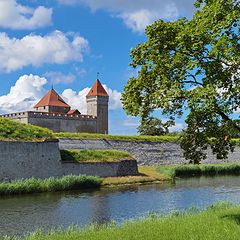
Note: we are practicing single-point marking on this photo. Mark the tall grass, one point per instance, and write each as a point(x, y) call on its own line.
point(11, 130)
point(202, 169)
point(87, 155)
point(52, 184)
point(220, 222)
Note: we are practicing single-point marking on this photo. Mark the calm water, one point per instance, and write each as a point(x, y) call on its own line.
point(22, 214)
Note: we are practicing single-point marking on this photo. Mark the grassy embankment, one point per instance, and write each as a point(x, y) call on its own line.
point(165, 138)
point(88, 155)
point(220, 222)
point(198, 170)
point(14, 131)
point(52, 184)
point(146, 174)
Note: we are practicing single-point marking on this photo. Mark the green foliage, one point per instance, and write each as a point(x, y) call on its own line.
point(153, 126)
point(166, 138)
point(219, 222)
point(202, 169)
point(192, 66)
point(34, 185)
point(11, 130)
point(87, 155)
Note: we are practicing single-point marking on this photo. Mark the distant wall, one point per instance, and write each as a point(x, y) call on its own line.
point(146, 153)
point(42, 160)
point(56, 121)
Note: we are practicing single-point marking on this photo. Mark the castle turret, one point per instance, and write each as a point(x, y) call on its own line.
point(52, 103)
point(97, 105)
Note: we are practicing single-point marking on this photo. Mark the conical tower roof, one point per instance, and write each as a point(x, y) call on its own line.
point(52, 99)
point(97, 90)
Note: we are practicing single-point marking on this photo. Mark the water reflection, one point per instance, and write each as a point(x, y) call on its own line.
point(22, 214)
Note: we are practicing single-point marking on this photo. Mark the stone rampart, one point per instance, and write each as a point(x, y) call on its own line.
point(146, 153)
point(42, 160)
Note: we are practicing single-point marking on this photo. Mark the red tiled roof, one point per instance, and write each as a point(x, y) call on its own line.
point(97, 90)
point(51, 99)
point(73, 112)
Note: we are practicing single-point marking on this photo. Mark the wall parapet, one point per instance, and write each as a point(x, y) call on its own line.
point(36, 114)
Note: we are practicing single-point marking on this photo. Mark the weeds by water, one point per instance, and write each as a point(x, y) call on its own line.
point(198, 170)
point(52, 184)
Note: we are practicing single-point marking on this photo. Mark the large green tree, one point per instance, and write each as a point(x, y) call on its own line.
point(192, 66)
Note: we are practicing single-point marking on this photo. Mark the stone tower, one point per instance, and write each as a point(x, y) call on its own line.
point(97, 105)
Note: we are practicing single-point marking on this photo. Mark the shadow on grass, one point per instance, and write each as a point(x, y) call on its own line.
point(232, 217)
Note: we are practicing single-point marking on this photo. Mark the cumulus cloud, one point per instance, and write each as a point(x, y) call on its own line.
point(138, 14)
point(58, 77)
point(29, 89)
point(37, 50)
point(16, 16)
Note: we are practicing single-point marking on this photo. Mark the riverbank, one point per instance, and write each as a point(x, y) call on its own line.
point(220, 222)
point(147, 175)
point(189, 170)
point(74, 182)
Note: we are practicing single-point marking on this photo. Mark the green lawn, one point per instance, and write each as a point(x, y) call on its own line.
point(220, 222)
point(11, 130)
point(87, 155)
point(165, 138)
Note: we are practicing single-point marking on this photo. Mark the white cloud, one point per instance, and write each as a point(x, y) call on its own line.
point(77, 100)
point(37, 50)
point(23, 95)
point(29, 89)
point(16, 16)
point(177, 127)
point(58, 77)
point(138, 14)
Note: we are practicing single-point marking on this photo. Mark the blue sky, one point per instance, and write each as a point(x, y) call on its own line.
point(66, 42)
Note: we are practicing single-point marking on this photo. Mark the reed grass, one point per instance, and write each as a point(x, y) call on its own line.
point(201, 169)
point(34, 185)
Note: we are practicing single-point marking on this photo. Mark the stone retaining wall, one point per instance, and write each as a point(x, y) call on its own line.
point(42, 160)
point(146, 153)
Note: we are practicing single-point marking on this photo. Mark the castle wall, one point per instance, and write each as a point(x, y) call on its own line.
point(57, 122)
point(64, 123)
point(42, 160)
point(146, 153)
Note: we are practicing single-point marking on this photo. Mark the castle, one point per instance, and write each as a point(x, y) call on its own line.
point(54, 113)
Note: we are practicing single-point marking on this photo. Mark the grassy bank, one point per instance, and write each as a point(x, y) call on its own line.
point(147, 175)
point(166, 138)
point(11, 130)
point(198, 170)
point(87, 155)
point(220, 222)
point(52, 184)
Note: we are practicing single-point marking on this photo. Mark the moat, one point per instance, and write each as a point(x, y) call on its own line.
point(27, 213)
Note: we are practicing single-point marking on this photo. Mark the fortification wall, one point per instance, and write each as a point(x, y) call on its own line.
point(56, 121)
point(42, 160)
point(146, 153)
